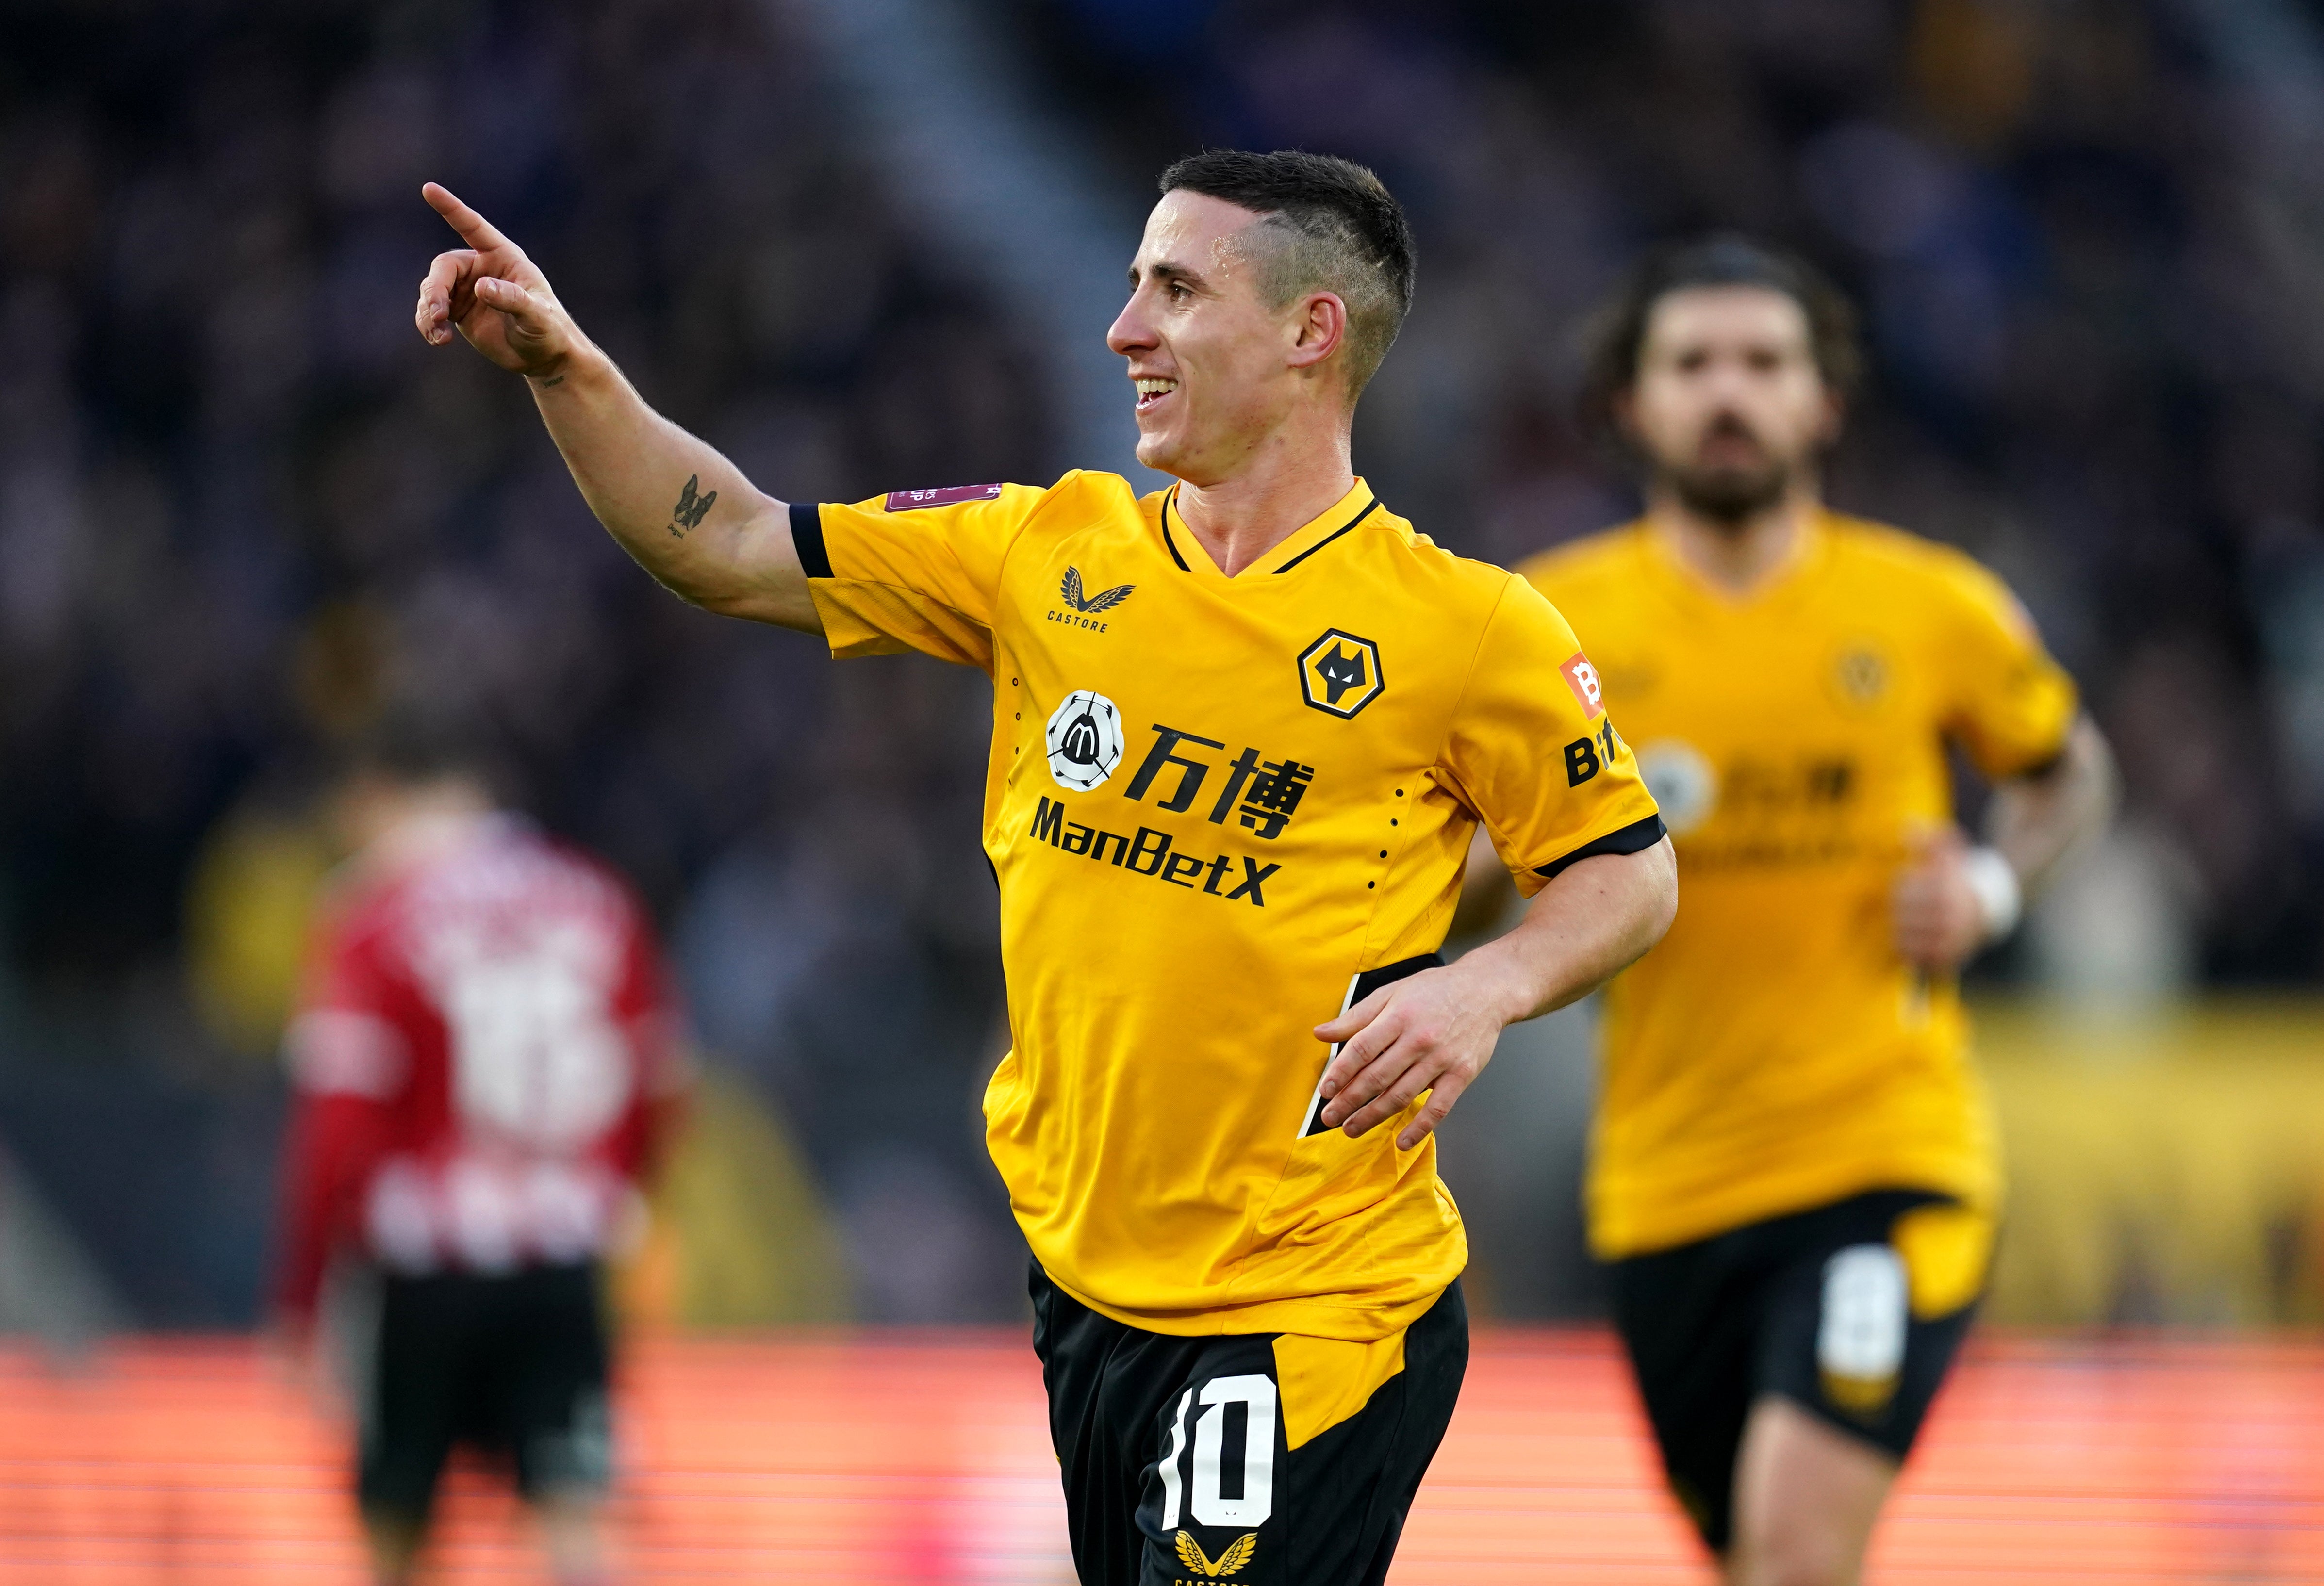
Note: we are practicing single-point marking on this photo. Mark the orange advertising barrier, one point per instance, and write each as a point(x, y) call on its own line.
point(923, 1457)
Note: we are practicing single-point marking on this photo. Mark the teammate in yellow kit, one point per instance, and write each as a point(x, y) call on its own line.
point(1793, 1175)
point(1243, 730)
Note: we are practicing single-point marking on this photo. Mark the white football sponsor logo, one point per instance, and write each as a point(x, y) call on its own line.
point(1084, 739)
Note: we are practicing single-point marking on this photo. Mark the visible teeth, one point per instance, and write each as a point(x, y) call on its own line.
point(1156, 387)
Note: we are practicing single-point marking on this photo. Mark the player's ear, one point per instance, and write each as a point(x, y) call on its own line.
point(1319, 324)
point(1835, 413)
point(1622, 413)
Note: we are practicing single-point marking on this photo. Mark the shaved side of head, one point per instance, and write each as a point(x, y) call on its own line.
point(1324, 225)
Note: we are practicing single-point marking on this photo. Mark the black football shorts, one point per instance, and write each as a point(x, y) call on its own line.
point(1817, 1307)
point(1177, 1464)
point(514, 1366)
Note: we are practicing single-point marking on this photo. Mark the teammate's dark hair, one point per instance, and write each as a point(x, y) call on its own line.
point(410, 746)
point(1617, 334)
point(1340, 229)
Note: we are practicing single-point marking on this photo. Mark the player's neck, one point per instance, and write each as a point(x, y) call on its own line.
point(1284, 485)
point(1735, 557)
point(426, 825)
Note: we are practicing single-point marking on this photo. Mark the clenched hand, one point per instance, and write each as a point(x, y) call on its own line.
point(1940, 923)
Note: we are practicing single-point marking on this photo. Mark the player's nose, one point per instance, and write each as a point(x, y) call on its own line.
point(1131, 331)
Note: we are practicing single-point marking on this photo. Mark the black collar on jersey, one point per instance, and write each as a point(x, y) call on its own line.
point(1370, 507)
point(1169, 496)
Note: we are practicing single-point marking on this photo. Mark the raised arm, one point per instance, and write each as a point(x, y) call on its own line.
point(686, 513)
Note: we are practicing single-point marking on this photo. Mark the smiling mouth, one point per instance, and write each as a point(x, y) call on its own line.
point(1150, 391)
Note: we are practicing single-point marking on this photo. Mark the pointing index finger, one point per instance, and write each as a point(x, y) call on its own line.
point(475, 230)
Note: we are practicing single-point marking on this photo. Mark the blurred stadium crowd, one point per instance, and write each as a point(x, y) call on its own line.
point(2084, 241)
point(241, 506)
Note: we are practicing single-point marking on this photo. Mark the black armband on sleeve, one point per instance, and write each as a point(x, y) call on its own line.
point(1635, 838)
point(2047, 766)
point(807, 538)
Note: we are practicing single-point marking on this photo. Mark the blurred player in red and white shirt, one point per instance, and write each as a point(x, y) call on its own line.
point(486, 1060)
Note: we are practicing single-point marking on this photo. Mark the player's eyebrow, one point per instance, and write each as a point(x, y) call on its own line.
point(1165, 271)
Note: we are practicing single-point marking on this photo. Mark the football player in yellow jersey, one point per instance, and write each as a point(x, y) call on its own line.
point(1793, 1175)
point(1243, 730)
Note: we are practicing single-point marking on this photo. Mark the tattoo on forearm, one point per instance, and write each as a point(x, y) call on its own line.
point(552, 380)
point(691, 508)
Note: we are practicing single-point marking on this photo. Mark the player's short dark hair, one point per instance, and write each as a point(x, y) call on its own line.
point(410, 747)
point(1343, 232)
point(1617, 334)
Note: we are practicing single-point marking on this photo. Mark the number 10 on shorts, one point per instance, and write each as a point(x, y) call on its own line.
point(1207, 1499)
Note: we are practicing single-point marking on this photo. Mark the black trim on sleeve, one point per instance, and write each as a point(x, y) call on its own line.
point(1635, 838)
point(2047, 766)
point(1359, 988)
point(1167, 540)
point(807, 538)
point(1370, 508)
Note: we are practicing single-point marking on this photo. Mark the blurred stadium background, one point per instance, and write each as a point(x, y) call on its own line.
point(866, 245)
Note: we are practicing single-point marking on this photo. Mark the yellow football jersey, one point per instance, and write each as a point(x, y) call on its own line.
point(1774, 1053)
point(1216, 806)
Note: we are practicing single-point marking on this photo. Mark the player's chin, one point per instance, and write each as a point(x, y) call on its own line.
point(1730, 493)
point(1158, 446)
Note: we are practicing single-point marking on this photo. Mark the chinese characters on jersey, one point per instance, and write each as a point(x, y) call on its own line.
point(1267, 792)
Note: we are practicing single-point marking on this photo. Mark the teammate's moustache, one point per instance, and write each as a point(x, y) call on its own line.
point(1726, 426)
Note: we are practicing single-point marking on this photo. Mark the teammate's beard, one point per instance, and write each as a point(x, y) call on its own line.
point(1729, 494)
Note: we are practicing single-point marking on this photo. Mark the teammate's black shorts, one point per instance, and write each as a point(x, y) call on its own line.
point(1814, 1306)
point(1176, 1463)
point(514, 1366)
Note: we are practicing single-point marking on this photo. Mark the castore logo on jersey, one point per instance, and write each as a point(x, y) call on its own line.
point(1080, 608)
point(1231, 1559)
point(1104, 600)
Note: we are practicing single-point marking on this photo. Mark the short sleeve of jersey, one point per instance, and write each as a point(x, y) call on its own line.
point(914, 570)
point(2008, 704)
point(348, 1035)
point(1532, 752)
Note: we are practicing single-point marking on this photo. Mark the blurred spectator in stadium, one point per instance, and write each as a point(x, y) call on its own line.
point(235, 498)
point(231, 522)
point(486, 1061)
point(2095, 334)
